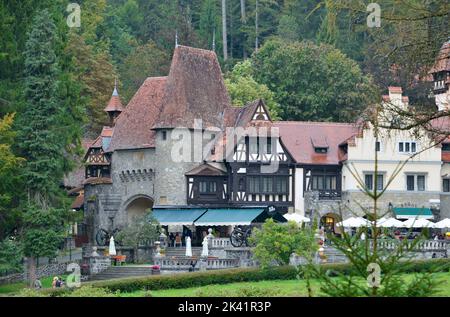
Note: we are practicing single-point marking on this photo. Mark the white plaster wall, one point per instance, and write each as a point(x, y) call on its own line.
point(299, 201)
point(362, 156)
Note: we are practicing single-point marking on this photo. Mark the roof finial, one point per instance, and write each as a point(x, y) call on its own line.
point(176, 38)
point(115, 92)
point(214, 41)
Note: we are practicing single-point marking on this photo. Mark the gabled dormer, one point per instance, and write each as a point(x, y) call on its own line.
point(261, 112)
point(260, 141)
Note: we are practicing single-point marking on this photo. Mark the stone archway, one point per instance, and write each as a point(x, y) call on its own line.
point(329, 221)
point(138, 206)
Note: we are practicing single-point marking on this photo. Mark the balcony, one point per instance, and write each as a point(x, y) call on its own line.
point(324, 194)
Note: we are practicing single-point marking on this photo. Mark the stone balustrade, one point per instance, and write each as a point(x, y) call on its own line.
point(220, 243)
point(427, 245)
point(184, 263)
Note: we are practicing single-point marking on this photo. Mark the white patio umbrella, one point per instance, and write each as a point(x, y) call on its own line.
point(390, 223)
point(418, 223)
point(297, 218)
point(354, 222)
point(443, 224)
point(112, 246)
point(188, 247)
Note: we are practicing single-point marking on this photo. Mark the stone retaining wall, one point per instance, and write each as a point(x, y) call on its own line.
point(41, 271)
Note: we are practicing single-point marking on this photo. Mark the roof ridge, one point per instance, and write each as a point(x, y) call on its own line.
point(314, 122)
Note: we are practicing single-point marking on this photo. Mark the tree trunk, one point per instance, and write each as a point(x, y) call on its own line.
point(256, 27)
point(230, 13)
point(244, 21)
point(243, 13)
point(31, 271)
point(136, 257)
point(224, 29)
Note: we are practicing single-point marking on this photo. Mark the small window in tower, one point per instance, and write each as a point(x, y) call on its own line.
point(164, 135)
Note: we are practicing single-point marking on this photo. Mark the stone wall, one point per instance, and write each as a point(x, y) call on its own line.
point(54, 269)
point(170, 175)
point(445, 206)
point(350, 202)
point(133, 177)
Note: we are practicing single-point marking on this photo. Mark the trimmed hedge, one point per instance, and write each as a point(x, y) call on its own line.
point(196, 279)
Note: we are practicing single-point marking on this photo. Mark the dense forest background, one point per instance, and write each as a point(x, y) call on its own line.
point(134, 39)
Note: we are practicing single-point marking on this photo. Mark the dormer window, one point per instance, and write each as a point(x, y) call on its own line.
point(320, 144)
point(321, 150)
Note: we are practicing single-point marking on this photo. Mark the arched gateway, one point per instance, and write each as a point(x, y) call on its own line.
point(329, 221)
point(138, 206)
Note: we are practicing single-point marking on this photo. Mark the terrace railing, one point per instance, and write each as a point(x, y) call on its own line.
point(185, 263)
point(427, 245)
point(220, 243)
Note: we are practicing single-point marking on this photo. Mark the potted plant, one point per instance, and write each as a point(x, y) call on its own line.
point(156, 269)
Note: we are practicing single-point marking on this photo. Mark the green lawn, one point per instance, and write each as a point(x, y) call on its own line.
point(243, 289)
point(262, 288)
point(15, 287)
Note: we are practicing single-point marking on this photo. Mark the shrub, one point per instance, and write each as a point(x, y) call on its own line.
point(30, 292)
point(90, 291)
point(245, 291)
point(197, 279)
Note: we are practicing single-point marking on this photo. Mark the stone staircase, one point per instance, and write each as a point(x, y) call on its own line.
point(180, 252)
point(122, 271)
point(334, 255)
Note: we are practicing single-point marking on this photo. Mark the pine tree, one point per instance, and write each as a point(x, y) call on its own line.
point(42, 140)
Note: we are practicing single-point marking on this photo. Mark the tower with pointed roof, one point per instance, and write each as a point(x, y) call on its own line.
point(114, 107)
point(441, 77)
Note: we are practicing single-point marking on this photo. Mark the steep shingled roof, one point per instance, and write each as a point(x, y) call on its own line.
point(133, 126)
point(297, 136)
point(114, 103)
point(442, 60)
point(195, 90)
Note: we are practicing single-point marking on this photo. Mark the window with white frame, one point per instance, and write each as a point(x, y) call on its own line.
point(415, 182)
point(407, 147)
point(369, 181)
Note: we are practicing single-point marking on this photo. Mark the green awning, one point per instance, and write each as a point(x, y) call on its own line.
point(411, 212)
point(177, 217)
point(229, 217)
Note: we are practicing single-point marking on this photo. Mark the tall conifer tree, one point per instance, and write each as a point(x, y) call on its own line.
point(42, 142)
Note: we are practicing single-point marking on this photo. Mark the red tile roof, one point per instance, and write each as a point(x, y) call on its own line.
point(133, 126)
point(114, 103)
point(395, 90)
point(78, 202)
point(195, 90)
point(443, 59)
point(297, 136)
point(97, 180)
